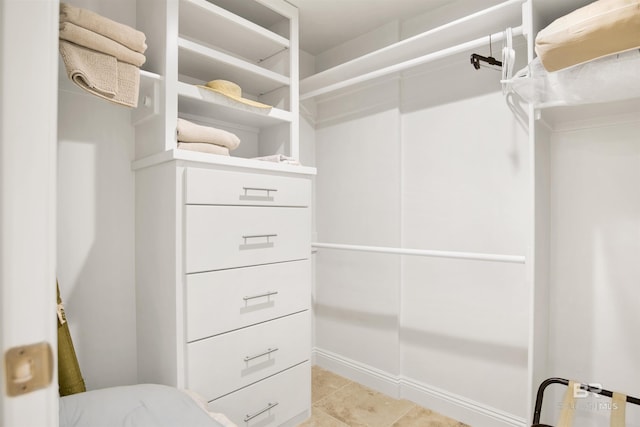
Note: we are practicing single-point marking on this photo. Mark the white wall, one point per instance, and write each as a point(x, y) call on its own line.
point(357, 192)
point(96, 262)
point(595, 248)
point(435, 161)
point(464, 323)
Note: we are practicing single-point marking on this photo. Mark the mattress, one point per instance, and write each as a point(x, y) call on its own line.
point(601, 28)
point(143, 405)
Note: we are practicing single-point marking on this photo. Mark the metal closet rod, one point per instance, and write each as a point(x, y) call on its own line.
point(405, 65)
point(514, 259)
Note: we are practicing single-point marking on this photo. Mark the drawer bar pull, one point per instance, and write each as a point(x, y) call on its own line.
point(266, 294)
point(267, 190)
point(262, 411)
point(256, 236)
point(265, 353)
point(259, 189)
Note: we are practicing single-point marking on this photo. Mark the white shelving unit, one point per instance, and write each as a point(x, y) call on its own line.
point(205, 41)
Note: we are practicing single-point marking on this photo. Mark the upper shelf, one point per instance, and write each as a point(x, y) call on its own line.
point(205, 64)
point(395, 57)
point(215, 26)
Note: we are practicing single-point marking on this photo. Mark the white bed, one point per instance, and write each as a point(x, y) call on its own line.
point(142, 405)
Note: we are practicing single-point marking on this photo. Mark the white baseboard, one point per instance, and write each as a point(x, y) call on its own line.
point(457, 407)
point(366, 375)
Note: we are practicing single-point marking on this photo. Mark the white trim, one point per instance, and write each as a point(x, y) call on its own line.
point(452, 405)
point(456, 406)
point(28, 200)
point(366, 375)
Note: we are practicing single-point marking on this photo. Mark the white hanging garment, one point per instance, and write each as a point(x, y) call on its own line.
point(508, 61)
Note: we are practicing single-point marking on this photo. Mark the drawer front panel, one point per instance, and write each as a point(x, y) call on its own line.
point(219, 237)
point(224, 300)
point(283, 396)
point(215, 187)
point(225, 363)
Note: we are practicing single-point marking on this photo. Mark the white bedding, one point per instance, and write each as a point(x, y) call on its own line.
point(143, 405)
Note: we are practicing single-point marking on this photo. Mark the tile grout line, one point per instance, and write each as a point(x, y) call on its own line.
point(411, 408)
point(349, 382)
point(331, 416)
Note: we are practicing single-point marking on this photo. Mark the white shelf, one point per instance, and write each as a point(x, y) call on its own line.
point(458, 32)
point(205, 64)
point(201, 102)
point(215, 26)
point(567, 117)
point(214, 159)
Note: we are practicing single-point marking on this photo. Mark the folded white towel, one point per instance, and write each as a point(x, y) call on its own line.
point(203, 147)
point(191, 132)
point(123, 34)
point(101, 75)
point(89, 39)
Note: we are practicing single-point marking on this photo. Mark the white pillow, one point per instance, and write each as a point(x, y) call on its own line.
point(142, 405)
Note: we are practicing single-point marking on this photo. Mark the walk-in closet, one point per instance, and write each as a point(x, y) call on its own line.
point(422, 208)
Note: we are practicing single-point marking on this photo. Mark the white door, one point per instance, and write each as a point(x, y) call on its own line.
point(28, 138)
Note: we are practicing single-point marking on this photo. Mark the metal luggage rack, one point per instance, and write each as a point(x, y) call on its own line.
point(585, 387)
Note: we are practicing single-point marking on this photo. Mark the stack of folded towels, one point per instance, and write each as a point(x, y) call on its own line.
point(102, 56)
point(205, 139)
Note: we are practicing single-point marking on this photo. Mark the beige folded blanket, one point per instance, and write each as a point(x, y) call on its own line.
point(101, 75)
point(598, 29)
point(204, 148)
point(123, 34)
point(191, 132)
point(89, 39)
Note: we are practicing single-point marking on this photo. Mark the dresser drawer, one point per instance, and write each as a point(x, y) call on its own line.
point(225, 363)
point(215, 187)
point(224, 300)
point(284, 396)
point(220, 237)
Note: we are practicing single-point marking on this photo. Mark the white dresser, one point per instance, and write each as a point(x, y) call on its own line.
point(223, 286)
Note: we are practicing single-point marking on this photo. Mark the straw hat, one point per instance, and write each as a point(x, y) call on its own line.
point(231, 90)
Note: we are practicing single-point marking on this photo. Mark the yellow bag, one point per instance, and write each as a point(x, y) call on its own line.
point(70, 379)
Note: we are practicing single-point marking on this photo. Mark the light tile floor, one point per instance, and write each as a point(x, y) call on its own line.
point(339, 402)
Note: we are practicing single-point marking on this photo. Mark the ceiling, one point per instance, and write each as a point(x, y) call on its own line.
point(328, 23)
